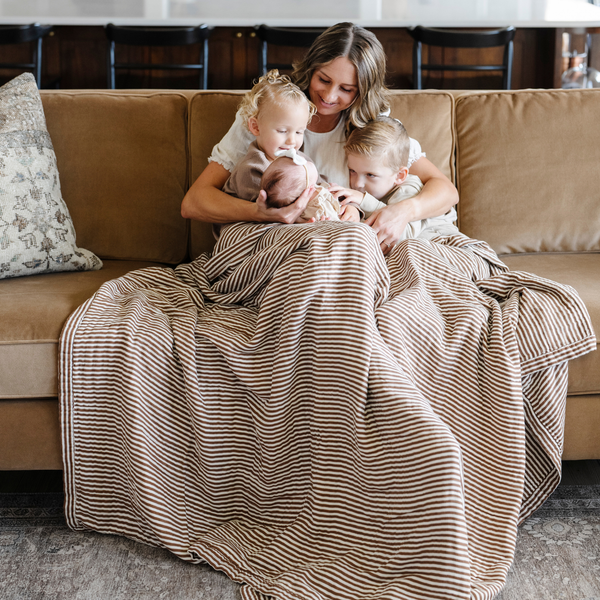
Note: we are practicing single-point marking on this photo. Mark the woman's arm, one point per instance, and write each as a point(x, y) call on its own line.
point(437, 197)
point(206, 202)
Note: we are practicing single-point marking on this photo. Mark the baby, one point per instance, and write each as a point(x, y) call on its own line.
point(288, 176)
point(378, 164)
point(277, 114)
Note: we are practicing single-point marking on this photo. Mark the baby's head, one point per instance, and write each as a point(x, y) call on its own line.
point(284, 181)
point(378, 156)
point(277, 112)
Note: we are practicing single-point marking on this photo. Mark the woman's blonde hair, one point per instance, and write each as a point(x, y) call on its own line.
point(365, 52)
point(276, 88)
point(385, 139)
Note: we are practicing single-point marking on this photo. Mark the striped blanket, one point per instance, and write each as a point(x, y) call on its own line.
point(317, 421)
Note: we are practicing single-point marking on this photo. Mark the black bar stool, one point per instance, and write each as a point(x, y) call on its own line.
point(282, 36)
point(22, 34)
point(158, 36)
point(462, 39)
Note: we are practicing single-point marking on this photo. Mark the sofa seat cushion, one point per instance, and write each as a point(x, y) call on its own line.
point(33, 311)
point(581, 271)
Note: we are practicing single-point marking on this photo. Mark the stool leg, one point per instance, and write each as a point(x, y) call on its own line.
point(204, 72)
point(508, 60)
point(37, 61)
point(417, 65)
point(263, 59)
point(110, 65)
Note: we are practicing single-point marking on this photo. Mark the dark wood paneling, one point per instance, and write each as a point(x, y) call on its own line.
point(75, 58)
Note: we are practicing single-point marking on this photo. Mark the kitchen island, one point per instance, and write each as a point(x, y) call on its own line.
point(75, 55)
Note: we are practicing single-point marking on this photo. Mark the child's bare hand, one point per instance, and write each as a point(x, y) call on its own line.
point(349, 213)
point(346, 195)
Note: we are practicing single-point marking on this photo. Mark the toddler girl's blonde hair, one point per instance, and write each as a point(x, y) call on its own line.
point(383, 138)
point(276, 88)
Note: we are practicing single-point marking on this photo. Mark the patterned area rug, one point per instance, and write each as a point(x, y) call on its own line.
point(557, 558)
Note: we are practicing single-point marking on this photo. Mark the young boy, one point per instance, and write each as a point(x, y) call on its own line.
point(377, 161)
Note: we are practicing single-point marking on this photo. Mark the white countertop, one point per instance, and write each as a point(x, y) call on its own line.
point(305, 13)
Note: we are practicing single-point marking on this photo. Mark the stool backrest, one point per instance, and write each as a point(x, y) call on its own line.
point(282, 36)
point(157, 36)
point(462, 39)
point(22, 34)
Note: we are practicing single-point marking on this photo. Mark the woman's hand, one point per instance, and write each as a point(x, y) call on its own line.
point(288, 214)
point(206, 202)
point(349, 213)
point(347, 195)
point(389, 223)
point(436, 198)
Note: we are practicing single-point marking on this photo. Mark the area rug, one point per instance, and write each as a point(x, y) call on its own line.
point(557, 557)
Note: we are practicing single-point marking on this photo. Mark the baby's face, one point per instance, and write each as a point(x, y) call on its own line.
point(280, 127)
point(368, 174)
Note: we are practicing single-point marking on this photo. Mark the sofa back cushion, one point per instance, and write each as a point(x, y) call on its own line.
point(123, 170)
point(427, 116)
point(527, 169)
point(211, 116)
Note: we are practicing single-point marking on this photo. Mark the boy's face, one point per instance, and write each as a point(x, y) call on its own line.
point(368, 174)
point(279, 127)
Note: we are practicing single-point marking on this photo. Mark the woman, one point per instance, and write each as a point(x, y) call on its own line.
point(314, 420)
point(343, 74)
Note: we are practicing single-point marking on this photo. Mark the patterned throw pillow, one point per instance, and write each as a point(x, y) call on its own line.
point(36, 231)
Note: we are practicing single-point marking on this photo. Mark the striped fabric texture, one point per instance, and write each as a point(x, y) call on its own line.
point(317, 421)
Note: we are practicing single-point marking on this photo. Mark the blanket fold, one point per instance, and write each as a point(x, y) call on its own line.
point(317, 421)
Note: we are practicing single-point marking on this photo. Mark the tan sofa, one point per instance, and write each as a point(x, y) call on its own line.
point(525, 162)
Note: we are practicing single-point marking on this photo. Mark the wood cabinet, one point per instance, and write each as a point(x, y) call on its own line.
point(75, 58)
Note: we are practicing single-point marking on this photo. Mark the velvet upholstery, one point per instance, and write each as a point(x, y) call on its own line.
point(32, 313)
point(428, 118)
point(526, 168)
point(581, 271)
point(123, 167)
point(528, 172)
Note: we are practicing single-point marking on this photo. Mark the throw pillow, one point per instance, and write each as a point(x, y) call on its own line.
point(36, 231)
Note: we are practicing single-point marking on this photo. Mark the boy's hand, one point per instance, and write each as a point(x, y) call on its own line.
point(349, 213)
point(346, 195)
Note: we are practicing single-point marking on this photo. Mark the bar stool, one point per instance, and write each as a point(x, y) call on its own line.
point(282, 36)
point(462, 39)
point(158, 36)
point(22, 34)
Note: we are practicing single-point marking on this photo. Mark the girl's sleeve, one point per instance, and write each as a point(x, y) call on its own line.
point(233, 146)
point(415, 152)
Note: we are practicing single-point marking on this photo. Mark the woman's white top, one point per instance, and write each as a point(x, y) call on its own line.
point(325, 149)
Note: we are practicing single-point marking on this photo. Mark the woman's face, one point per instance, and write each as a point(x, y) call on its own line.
point(334, 86)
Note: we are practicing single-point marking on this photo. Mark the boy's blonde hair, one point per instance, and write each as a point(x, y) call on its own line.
point(276, 88)
point(383, 138)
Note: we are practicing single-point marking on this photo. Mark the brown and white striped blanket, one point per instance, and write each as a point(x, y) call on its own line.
point(316, 421)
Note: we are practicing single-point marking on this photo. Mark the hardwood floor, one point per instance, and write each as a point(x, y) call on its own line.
point(575, 472)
